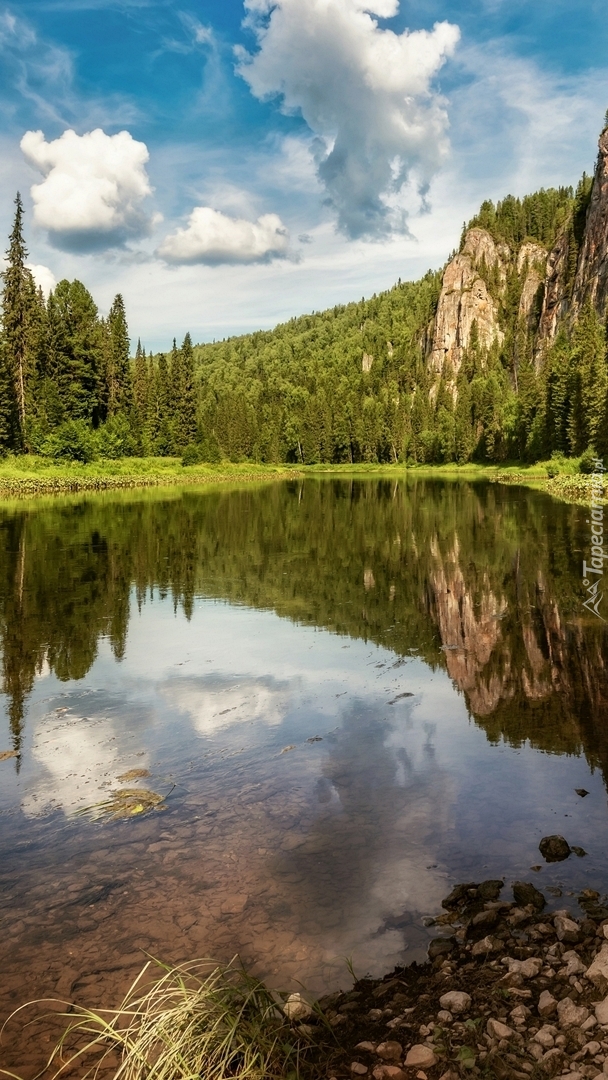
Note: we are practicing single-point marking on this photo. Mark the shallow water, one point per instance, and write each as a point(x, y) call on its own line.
point(349, 694)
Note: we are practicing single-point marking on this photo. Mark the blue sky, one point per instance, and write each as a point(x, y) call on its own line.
point(228, 166)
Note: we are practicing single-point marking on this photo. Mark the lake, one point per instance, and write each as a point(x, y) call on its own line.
point(348, 694)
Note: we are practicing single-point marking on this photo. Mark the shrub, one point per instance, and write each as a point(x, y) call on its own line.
point(586, 464)
point(193, 454)
point(71, 441)
point(114, 439)
point(552, 469)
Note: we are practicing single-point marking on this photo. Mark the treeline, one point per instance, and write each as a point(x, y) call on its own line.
point(68, 387)
point(350, 384)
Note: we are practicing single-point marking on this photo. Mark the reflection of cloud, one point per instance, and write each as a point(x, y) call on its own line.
point(80, 758)
point(213, 703)
point(385, 806)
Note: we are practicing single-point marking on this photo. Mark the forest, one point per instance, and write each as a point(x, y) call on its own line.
point(350, 384)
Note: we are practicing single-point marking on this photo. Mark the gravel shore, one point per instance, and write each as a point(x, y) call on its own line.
point(507, 992)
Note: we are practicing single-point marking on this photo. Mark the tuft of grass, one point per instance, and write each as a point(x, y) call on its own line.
point(196, 1020)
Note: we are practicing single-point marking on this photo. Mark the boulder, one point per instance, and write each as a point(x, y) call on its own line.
point(554, 848)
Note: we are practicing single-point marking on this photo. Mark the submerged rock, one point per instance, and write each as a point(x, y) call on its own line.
point(554, 848)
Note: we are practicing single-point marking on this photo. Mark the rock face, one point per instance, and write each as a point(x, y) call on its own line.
point(465, 299)
point(549, 296)
point(591, 282)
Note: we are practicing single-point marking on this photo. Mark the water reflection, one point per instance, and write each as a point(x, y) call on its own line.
point(297, 667)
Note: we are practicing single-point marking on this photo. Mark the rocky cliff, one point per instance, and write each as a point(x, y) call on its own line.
point(465, 299)
point(553, 286)
point(591, 282)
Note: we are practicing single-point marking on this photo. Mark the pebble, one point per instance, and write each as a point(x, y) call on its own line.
point(597, 973)
point(421, 1057)
point(566, 929)
point(546, 1004)
point(357, 1069)
point(444, 1016)
point(497, 1030)
point(368, 1046)
point(455, 1001)
point(601, 1011)
point(486, 945)
point(389, 1072)
point(296, 1008)
point(389, 1051)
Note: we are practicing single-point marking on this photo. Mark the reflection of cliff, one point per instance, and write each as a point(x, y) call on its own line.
point(481, 580)
point(526, 672)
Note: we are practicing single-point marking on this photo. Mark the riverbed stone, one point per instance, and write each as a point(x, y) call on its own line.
point(481, 948)
point(296, 1008)
point(420, 1057)
point(525, 893)
point(566, 929)
point(546, 1004)
point(597, 972)
point(389, 1050)
point(569, 1014)
point(455, 1001)
point(389, 1072)
point(554, 848)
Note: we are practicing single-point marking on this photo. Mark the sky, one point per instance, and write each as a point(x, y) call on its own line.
point(227, 164)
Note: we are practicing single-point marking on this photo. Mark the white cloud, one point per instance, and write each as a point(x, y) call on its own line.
point(213, 238)
point(365, 92)
point(44, 278)
point(94, 187)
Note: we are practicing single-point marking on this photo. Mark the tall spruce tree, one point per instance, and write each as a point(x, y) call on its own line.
point(189, 396)
point(118, 368)
point(18, 304)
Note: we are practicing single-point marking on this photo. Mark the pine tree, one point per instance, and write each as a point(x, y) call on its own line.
point(118, 368)
point(189, 397)
point(18, 301)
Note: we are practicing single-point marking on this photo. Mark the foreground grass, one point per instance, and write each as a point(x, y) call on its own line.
point(30, 475)
point(194, 1020)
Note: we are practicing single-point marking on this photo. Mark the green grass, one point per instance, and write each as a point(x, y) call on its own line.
point(30, 475)
point(194, 1020)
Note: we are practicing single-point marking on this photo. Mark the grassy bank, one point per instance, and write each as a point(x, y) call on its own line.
point(29, 475)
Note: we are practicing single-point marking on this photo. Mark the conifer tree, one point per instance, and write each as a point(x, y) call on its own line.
point(118, 368)
point(189, 398)
point(18, 301)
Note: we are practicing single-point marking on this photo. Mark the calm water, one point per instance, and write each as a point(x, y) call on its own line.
point(350, 694)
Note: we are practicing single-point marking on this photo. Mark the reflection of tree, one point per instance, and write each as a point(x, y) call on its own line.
point(479, 579)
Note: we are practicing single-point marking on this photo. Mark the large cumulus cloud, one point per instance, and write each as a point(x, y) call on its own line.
point(365, 92)
point(212, 237)
point(93, 188)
